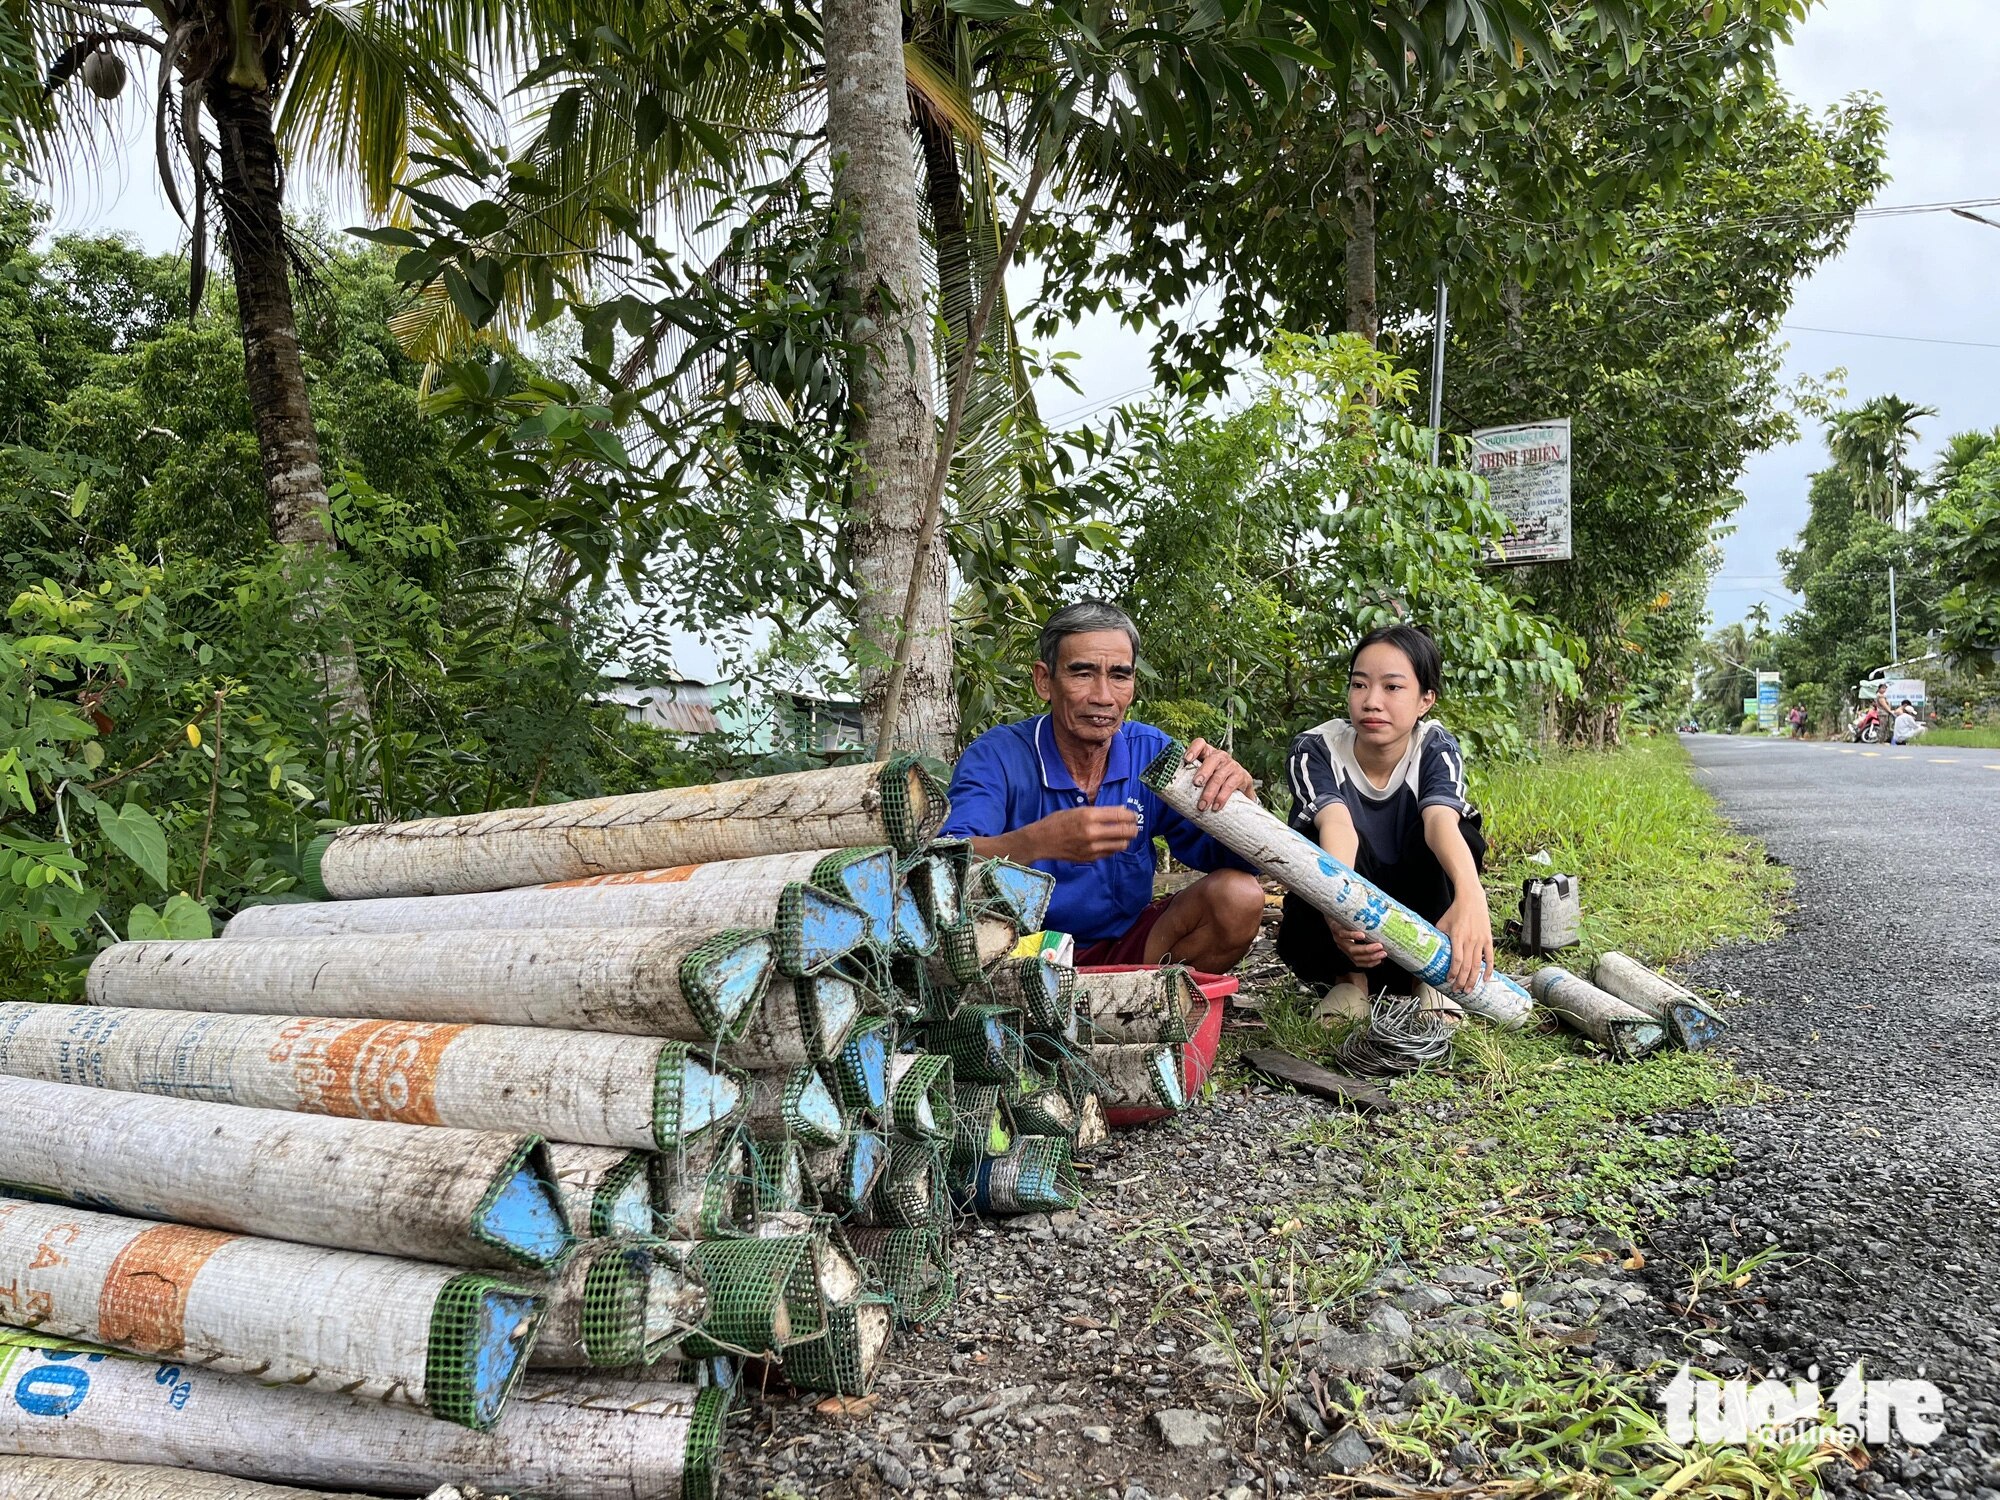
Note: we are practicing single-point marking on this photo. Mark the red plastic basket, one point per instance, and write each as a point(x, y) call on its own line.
point(1197, 1054)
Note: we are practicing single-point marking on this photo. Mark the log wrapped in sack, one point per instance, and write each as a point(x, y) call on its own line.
point(449, 1342)
point(632, 1091)
point(561, 1437)
point(477, 1198)
point(896, 802)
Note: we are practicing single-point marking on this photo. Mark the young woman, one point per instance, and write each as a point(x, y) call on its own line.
point(1383, 791)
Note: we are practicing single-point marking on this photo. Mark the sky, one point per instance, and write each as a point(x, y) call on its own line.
point(1910, 300)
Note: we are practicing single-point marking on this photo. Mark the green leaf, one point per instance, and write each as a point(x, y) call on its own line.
point(136, 834)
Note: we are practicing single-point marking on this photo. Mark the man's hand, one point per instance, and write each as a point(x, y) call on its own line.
point(1469, 925)
point(1083, 834)
point(1360, 949)
point(1218, 774)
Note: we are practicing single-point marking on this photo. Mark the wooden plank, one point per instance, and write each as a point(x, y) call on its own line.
point(1311, 1078)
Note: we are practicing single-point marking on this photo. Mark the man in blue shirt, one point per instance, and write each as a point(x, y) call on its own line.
point(1061, 792)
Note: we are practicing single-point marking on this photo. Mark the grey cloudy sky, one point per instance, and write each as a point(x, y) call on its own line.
point(1922, 284)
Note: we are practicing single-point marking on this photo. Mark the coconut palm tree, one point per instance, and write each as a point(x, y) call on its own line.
point(241, 92)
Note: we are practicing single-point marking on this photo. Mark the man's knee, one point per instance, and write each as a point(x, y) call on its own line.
point(1237, 901)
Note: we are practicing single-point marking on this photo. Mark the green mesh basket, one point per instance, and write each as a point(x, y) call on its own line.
point(1019, 893)
point(1146, 1005)
point(1041, 1110)
point(858, 1073)
point(912, 1266)
point(701, 1467)
point(956, 961)
point(846, 1175)
point(921, 1096)
point(706, 1188)
point(725, 978)
point(798, 1104)
point(915, 1193)
point(763, 1295)
point(1037, 1175)
point(979, 1127)
point(622, 1302)
point(784, 1178)
point(475, 1360)
point(846, 1361)
point(914, 804)
point(924, 993)
point(983, 1043)
point(1043, 992)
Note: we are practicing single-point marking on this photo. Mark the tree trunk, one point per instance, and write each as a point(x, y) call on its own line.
point(1363, 316)
point(894, 430)
point(294, 485)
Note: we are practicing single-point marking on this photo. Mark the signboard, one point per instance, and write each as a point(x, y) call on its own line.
point(1526, 468)
point(1749, 707)
point(1767, 700)
point(1899, 688)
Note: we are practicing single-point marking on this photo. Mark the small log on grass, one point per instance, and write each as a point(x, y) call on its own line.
point(630, 980)
point(447, 1341)
point(1622, 1030)
point(464, 1197)
point(896, 802)
point(561, 1438)
point(1690, 1020)
point(809, 928)
point(1241, 824)
point(632, 1091)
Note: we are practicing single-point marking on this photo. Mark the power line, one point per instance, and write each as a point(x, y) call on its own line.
point(1900, 338)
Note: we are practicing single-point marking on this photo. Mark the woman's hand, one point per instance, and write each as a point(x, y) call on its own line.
point(1356, 946)
point(1469, 925)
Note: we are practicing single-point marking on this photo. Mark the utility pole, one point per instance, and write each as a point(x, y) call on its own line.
point(1895, 654)
point(1437, 371)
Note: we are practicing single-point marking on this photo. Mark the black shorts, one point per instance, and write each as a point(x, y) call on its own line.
point(1417, 880)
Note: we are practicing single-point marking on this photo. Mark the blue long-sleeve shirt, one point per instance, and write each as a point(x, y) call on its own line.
point(1014, 775)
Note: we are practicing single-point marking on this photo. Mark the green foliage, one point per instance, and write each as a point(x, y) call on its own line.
point(164, 729)
point(1256, 547)
point(1966, 524)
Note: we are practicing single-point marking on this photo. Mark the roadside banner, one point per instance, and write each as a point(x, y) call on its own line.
point(1749, 707)
point(1526, 469)
point(1767, 700)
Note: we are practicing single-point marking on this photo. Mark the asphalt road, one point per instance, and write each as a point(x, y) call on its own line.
point(1878, 1015)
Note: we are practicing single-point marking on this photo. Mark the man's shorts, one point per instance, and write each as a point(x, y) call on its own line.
point(1129, 949)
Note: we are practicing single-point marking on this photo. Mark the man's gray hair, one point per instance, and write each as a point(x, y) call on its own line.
point(1084, 615)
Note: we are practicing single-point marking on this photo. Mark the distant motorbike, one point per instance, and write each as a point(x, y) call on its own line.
point(1871, 728)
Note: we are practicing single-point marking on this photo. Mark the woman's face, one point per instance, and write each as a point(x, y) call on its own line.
point(1384, 701)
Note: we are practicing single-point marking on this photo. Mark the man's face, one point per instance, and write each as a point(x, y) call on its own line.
point(1092, 685)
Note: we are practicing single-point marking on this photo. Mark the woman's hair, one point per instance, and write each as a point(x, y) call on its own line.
point(1415, 643)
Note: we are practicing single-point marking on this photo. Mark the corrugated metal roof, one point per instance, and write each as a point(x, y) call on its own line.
point(682, 708)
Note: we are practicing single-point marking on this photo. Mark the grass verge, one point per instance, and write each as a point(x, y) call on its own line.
point(1964, 739)
point(1662, 875)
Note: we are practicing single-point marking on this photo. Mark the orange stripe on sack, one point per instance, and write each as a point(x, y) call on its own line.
point(144, 1299)
point(673, 876)
point(376, 1070)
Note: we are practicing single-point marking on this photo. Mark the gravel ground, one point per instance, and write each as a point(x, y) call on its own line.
point(1873, 1170)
